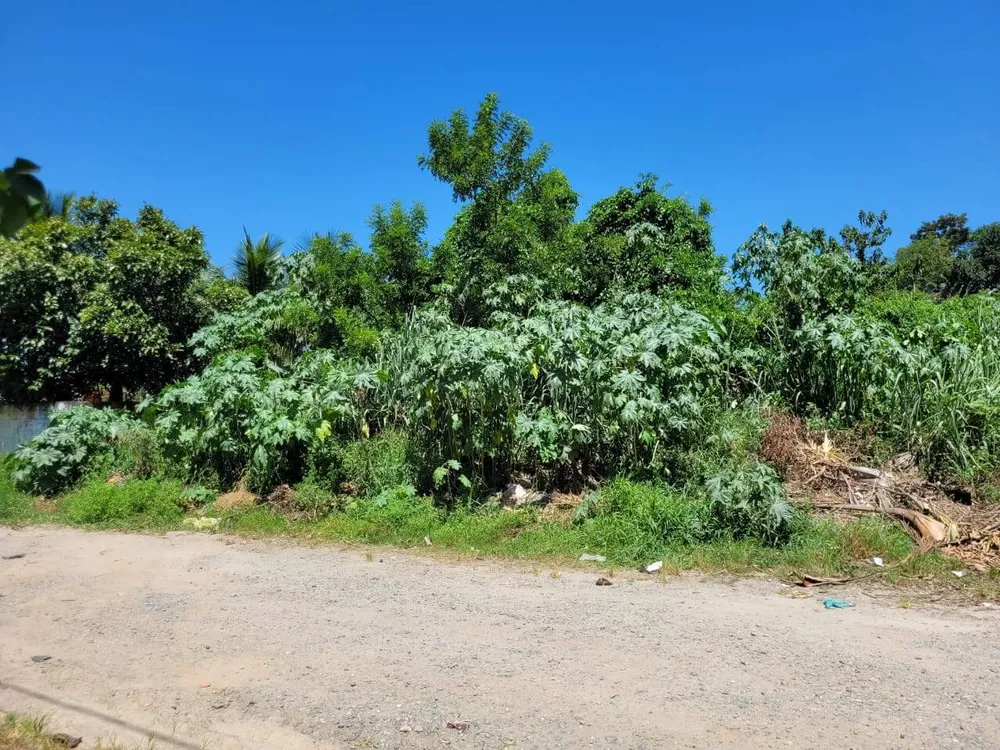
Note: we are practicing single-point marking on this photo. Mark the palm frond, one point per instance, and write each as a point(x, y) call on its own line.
point(258, 264)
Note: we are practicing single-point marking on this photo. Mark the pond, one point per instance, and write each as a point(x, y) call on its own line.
point(21, 423)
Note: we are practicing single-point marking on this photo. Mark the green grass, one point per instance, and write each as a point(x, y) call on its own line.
point(15, 507)
point(137, 503)
point(634, 525)
point(816, 546)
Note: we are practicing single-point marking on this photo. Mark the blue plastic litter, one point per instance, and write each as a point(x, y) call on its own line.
point(836, 604)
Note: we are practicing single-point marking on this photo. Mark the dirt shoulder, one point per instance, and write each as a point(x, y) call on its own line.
point(207, 641)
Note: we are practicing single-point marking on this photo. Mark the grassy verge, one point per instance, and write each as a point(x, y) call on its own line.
point(649, 523)
point(817, 546)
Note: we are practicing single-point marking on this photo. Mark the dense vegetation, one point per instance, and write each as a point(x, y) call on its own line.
point(529, 345)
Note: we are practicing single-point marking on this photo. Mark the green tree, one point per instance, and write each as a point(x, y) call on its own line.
point(42, 284)
point(401, 256)
point(977, 261)
point(346, 288)
point(641, 239)
point(864, 242)
point(133, 328)
point(801, 274)
point(953, 228)
point(103, 226)
point(924, 264)
point(97, 302)
point(489, 160)
point(258, 264)
point(967, 274)
point(986, 251)
point(517, 218)
point(59, 205)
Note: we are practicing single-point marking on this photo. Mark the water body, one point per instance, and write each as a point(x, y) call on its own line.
point(21, 423)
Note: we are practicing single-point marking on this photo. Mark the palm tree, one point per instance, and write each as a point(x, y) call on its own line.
point(57, 205)
point(258, 264)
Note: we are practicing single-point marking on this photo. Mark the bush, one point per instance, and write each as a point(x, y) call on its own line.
point(314, 499)
point(934, 392)
point(631, 521)
point(143, 501)
point(634, 520)
point(14, 505)
point(749, 502)
point(246, 417)
point(564, 390)
point(75, 443)
point(138, 453)
point(379, 463)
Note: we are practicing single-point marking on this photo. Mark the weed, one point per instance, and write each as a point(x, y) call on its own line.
point(137, 502)
point(377, 464)
point(76, 441)
point(197, 496)
point(15, 506)
point(314, 500)
point(138, 453)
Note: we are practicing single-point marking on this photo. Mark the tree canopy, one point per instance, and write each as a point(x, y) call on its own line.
point(94, 302)
point(97, 301)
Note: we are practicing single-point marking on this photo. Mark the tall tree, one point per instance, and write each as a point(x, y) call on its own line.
point(976, 264)
point(986, 252)
point(491, 159)
point(641, 239)
point(258, 264)
point(98, 302)
point(134, 326)
point(925, 264)
point(345, 287)
point(57, 205)
point(402, 255)
point(517, 217)
point(865, 242)
point(953, 228)
point(952, 233)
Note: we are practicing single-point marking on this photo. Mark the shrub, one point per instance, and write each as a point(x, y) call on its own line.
point(314, 499)
point(749, 502)
point(563, 390)
point(247, 417)
point(635, 520)
point(138, 453)
point(934, 392)
point(14, 505)
point(395, 515)
point(145, 501)
point(74, 443)
point(379, 463)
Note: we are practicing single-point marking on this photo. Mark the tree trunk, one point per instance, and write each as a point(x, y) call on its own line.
point(117, 395)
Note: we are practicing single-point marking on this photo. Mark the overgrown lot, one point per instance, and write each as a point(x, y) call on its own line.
point(534, 385)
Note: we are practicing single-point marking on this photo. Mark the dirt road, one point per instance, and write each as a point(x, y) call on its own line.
point(209, 642)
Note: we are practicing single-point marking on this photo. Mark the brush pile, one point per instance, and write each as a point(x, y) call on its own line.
point(937, 516)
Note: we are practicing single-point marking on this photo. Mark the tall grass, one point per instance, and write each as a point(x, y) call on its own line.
point(933, 390)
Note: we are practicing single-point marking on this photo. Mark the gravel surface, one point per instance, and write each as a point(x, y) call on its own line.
point(204, 641)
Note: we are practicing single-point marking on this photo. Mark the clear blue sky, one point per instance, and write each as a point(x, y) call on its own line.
point(295, 117)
